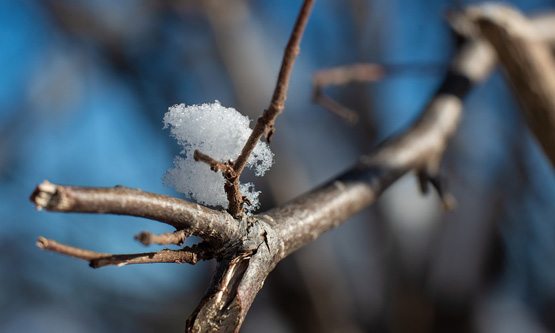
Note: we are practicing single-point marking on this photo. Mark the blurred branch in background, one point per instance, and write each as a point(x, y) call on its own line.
point(341, 76)
point(529, 65)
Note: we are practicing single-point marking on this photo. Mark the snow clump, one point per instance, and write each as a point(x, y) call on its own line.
point(220, 133)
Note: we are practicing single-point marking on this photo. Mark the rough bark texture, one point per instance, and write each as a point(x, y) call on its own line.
point(213, 226)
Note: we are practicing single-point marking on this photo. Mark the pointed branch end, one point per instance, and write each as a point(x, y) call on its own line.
point(447, 199)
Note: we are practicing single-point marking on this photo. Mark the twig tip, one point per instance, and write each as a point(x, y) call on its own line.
point(42, 243)
point(42, 194)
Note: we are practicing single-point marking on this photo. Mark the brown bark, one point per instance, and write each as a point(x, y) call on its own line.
point(528, 65)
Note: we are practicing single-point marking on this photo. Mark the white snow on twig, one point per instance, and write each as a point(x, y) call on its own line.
point(220, 133)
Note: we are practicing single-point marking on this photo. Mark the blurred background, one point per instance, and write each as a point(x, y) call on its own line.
point(84, 86)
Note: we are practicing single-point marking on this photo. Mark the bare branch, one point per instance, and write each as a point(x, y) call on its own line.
point(528, 64)
point(421, 147)
point(265, 124)
point(544, 25)
point(237, 281)
point(212, 226)
point(341, 76)
point(334, 107)
point(178, 238)
point(226, 168)
point(281, 231)
point(97, 260)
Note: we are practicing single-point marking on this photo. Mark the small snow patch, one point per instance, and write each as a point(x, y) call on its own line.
point(221, 133)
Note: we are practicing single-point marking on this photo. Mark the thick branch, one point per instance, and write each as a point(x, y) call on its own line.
point(528, 64)
point(97, 260)
point(544, 24)
point(238, 279)
point(419, 148)
point(213, 226)
point(281, 231)
point(265, 124)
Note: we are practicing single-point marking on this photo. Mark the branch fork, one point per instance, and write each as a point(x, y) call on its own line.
point(248, 248)
point(265, 124)
point(187, 255)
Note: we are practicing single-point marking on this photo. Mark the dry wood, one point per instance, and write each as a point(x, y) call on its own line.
point(97, 259)
point(528, 64)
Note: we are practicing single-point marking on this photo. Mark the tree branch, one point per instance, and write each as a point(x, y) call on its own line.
point(343, 75)
point(238, 279)
point(421, 147)
point(178, 238)
point(275, 234)
point(213, 226)
point(340, 76)
point(528, 64)
point(96, 260)
point(265, 124)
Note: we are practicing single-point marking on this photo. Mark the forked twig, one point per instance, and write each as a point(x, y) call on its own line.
point(97, 259)
point(340, 76)
point(265, 124)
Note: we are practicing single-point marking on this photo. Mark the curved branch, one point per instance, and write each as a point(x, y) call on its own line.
point(213, 226)
point(528, 64)
point(421, 147)
point(281, 231)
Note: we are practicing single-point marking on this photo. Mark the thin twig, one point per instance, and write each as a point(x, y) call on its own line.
point(343, 75)
point(178, 238)
point(334, 107)
point(213, 226)
point(340, 76)
point(226, 168)
point(362, 73)
point(97, 259)
point(265, 124)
